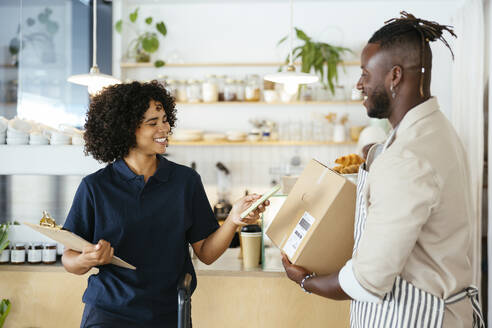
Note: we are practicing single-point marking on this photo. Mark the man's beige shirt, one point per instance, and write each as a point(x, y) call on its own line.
point(420, 213)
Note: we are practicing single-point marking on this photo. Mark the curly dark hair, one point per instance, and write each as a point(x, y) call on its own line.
point(115, 114)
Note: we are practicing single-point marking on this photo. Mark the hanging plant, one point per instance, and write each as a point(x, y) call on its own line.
point(321, 57)
point(145, 43)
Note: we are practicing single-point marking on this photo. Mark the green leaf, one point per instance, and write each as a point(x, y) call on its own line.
point(161, 27)
point(301, 35)
point(150, 43)
point(282, 40)
point(134, 15)
point(14, 46)
point(148, 20)
point(5, 306)
point(118, 26)
point(30, 21)
point(159, 63)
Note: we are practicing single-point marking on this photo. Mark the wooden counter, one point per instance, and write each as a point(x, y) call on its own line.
point(226, 296)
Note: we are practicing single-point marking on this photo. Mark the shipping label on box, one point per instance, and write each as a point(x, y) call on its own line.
point(315, 225)
point(295, 239)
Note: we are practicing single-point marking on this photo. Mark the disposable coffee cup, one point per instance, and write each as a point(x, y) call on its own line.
point(251, 242)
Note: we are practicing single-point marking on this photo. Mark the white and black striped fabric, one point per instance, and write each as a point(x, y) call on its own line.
point(360, 208)
point(406, 305)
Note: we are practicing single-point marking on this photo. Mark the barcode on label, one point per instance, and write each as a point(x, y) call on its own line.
point(298, 234)
point(303, 223)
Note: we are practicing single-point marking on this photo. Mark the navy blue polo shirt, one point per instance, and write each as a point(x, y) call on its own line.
point(150, 225)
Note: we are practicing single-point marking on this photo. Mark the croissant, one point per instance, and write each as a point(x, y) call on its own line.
point(354, 168)
point(350, 159)
point(338, 169)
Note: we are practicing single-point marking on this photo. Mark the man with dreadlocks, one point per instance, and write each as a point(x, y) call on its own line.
point(411, 265)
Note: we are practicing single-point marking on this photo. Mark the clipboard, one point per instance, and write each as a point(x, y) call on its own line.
point(72, 241)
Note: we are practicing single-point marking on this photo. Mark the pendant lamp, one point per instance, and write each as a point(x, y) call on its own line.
point(95, 80)
point(291, 79)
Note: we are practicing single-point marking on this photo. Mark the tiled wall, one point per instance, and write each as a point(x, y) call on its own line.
point(24, 197)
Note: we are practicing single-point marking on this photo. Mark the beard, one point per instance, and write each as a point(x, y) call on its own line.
point(379, 104)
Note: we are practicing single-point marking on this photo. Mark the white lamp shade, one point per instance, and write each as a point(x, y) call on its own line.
point(292, 78)
point(95, 82)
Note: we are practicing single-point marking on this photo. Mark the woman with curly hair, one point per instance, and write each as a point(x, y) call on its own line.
point(142, 207)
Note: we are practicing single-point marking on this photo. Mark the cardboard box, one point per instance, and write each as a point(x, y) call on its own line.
point(315, 225)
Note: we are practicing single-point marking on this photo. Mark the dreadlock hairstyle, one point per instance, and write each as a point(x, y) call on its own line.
point(408, 28)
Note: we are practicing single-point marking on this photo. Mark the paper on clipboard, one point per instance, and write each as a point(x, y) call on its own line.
point(72, 241)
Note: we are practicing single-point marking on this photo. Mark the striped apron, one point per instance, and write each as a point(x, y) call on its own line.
point(405, 305)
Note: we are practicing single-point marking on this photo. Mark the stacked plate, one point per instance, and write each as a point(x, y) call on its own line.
point(3, 129)
point(38, 138)
point(18, 132)
point(78, 139)
point(236, 136)
point(60, 138)
point(187, 135)
point(214, 137)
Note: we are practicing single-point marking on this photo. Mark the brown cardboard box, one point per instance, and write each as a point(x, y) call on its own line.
point(315, 225)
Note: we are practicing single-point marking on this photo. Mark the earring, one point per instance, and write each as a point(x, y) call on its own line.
point(393, 93)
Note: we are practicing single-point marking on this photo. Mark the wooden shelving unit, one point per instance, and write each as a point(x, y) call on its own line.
point(219, 64)
point(254, 103)
point(260, 143)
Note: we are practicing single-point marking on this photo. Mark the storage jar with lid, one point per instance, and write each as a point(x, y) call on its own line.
point(220, 86)
point(230, 90)
point(240, 85)
point(5, 255)
point(35, 253)
point(181, 95)
point(252, 89)
point(193, 91)
point(18, 253)
point(49, 253)
point(210, 91)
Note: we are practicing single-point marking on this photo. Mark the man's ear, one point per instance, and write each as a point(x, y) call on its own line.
point(396, 75)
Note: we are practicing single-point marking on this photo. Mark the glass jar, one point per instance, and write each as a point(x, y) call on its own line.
point(193, 91)
point(252, 89)
point(307, 92)
point(269, 92)
point(181, 95)
point(230, 90)
point(210, 91)
point(5, 256)
point(221, 85)
point(18, 253)
point(35, 253)
point(49, 253)
point(240, 90)
point(172, 87)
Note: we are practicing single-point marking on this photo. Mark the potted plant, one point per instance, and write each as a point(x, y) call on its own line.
point(4, 242)
point(5, 306)
point(319, 56)
point(141, 47)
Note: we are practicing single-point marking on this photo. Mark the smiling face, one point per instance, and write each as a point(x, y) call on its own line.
point(151, 135)
point(372, 82)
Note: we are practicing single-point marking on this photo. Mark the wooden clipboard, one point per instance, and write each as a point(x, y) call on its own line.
point(72, 241)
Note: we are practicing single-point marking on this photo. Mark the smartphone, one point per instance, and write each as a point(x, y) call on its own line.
point(260, 201)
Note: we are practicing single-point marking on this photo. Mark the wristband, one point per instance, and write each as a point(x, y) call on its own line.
point(304, 280)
